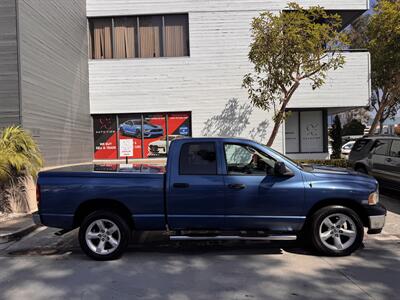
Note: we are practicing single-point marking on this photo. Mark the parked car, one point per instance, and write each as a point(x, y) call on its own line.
point(212, 188)
point(159, 147)
point(133, 128)
point(346, 148)
point(378, 156)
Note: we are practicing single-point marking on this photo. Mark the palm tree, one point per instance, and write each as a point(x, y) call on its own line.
point(20, 159)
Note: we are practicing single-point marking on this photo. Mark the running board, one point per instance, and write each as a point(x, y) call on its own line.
point(234, 237)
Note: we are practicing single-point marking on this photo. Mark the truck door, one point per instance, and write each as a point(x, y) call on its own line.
point(195, 197)
point(256, 199)
point(379, 158)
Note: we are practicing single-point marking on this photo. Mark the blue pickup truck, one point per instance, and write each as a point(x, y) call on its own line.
point(211, 188)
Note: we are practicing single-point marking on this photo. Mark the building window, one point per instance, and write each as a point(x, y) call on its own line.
point(101, 38)
point(139, 36)
point(125, 33)
point(305, 132)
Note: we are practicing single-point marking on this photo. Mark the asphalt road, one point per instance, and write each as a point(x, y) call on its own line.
point(44, 266)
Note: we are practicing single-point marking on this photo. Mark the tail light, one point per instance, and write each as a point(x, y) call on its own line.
point(38, 194)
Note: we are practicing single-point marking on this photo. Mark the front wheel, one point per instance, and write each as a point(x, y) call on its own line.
point(104, 235)
point(336, 231)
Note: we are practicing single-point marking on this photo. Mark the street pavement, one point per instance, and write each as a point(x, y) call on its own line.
point(45, 266)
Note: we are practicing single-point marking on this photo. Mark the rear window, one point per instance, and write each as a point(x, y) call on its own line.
point(360, 145)
point(198, 159)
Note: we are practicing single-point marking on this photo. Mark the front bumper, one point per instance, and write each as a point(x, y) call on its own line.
point(36, 218)
point(376, 217)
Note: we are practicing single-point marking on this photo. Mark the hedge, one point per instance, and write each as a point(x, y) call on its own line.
point(341, 163)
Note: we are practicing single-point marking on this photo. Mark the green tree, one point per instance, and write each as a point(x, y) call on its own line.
point(336, 135)
point(287, 48)
point(354, 127)
point(380, 34)
point(19, 158)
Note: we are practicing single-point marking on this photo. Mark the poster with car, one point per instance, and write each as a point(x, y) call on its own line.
point(154, 131)
point(105, 137)
point(130, 128)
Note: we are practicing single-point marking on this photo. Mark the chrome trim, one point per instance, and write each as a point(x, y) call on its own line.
point(36, 218)
point(234, 237)
point(377, 222)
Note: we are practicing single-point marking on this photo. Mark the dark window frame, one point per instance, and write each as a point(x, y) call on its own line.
point(197, 174)
point(137, 36)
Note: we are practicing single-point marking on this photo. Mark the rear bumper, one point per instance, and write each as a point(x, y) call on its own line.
point(36, 218)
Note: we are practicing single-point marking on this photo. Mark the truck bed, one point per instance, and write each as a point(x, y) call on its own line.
point(140, 187)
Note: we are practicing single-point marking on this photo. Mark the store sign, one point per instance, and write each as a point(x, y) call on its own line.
point(292, 133)
point(105, 137)
point(126, 148)
point(311, 131)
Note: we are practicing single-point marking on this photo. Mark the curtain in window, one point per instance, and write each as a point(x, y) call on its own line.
point(150, 36)
point(124, 37)
point(176, 35)
point(102, 40)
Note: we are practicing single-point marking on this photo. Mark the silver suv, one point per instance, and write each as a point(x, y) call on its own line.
point(378, 156)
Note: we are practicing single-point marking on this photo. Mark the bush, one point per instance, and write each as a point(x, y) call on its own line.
point(340, 163)
point(20, 159)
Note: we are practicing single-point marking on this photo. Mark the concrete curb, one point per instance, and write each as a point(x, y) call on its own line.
point(16, 235)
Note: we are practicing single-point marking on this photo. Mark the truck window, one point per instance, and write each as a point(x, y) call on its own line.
point(360, 145)
point(395, 149)
point(198, 159)
point(245, 160)
point(381, 147)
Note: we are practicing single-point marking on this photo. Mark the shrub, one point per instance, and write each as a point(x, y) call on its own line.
point(341, 163)
point(20, 158)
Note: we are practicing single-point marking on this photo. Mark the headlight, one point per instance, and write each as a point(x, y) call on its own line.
point(373, 198)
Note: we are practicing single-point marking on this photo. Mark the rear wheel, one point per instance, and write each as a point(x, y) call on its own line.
point(336, 231)
point(104, 235)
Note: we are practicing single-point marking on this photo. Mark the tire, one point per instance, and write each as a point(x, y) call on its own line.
point(104, 235)
point(332, 240)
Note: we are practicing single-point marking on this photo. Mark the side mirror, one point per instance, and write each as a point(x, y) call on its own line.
point(280, 169)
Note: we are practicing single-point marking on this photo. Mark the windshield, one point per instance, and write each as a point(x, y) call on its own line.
point(284, 156)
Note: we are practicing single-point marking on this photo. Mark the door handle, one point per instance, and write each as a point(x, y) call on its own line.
point(181, 185)
point(388, 159)
point(236, 186)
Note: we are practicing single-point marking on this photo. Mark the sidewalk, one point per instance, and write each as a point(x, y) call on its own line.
point(15, 226)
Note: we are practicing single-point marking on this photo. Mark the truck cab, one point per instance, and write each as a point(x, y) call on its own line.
point(212, 188)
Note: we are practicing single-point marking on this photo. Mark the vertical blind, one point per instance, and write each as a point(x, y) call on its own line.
point(101, 36)
point(124, 37)
point(144, 36)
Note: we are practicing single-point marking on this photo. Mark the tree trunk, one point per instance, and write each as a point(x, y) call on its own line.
point(377, 119)
point(381, 121)
point(279, 116)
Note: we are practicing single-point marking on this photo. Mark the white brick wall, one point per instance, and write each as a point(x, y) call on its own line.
point(205, 82)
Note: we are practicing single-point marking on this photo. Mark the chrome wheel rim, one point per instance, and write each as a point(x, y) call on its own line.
point(338, 232)
point(103, 236)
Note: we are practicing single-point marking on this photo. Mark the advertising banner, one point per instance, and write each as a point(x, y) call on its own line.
point(130, 128)
point(154, 132)
point(105, 137)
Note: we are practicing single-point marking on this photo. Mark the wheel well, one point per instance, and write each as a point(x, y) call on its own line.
point(360, 211)
point(90, 206)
